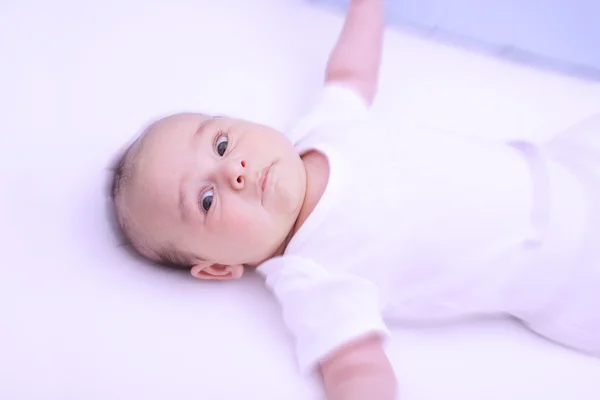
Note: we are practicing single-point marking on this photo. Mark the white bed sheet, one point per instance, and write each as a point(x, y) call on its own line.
point(82, 320)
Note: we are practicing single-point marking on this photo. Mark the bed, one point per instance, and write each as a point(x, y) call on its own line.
point(82, 319)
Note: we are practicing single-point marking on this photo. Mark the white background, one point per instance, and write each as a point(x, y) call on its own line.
point(81, 319)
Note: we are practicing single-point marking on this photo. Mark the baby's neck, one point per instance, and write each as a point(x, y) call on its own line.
point(317, 177)
point(283, 246)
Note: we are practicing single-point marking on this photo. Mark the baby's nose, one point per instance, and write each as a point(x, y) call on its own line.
point(236, 174)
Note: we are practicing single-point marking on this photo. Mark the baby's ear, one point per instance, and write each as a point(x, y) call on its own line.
point(217, 271)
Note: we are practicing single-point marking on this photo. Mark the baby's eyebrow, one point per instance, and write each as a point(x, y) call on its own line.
point(202, 127)
point(206, 123)
point(182, 203)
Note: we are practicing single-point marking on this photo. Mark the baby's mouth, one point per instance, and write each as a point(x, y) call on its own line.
point(264, 178)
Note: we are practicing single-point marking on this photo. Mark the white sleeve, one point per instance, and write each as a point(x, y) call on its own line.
point(335, 103)
point(323, 310)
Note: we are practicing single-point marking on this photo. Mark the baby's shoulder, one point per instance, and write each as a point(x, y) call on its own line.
point(290, 267)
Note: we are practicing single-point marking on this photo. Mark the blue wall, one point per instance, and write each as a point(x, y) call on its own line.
point(560, 35)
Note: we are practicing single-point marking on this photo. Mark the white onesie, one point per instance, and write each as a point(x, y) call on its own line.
point(416, 228)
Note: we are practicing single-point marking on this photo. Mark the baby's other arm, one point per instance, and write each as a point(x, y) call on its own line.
point(355, 60)
point(359, 371)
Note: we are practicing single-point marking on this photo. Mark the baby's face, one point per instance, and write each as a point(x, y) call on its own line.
point(226, 190)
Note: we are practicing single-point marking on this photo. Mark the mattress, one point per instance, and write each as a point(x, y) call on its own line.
point(82, 319)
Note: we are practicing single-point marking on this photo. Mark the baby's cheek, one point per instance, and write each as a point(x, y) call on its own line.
point(243, 221)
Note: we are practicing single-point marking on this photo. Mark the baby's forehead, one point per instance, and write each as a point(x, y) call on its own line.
point(165, 134)
point(166, 145)
point(176, 124)
point(172, 136)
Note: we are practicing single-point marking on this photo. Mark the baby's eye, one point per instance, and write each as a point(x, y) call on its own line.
point(206, 200)
point(222, 145)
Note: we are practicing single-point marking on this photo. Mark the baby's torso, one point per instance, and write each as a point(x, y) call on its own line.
point(432, 220)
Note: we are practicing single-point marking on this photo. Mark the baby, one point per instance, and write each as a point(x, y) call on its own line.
point(355, 226)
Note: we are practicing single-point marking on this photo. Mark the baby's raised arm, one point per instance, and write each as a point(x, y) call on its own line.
point(356, 57)
point(359, 370)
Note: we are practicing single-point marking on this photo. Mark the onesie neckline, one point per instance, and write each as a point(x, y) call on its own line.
point(316, 217)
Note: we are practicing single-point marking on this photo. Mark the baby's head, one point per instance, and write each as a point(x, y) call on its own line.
point(212, 194)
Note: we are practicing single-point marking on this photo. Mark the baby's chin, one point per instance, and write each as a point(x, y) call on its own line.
point(288, 204)
point(287, 197)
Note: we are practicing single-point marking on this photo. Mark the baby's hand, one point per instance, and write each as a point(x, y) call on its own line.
point(359, 370)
